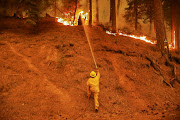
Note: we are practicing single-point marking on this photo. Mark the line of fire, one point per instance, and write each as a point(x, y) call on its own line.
point(80, 15)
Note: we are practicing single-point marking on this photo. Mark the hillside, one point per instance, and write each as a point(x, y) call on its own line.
point(43, 76)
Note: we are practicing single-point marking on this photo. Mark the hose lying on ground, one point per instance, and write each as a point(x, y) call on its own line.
point(83, 110)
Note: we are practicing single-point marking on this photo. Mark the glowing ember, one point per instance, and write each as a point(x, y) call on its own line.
point(132, 36)
point(110, 33)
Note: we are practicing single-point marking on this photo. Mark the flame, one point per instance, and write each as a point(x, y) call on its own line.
point(85, 17)
point(174, 38)
point(64, 22)
point(143, 38)
point(172, 45)
point(70, 23)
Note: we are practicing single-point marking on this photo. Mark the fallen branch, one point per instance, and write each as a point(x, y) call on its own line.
point(120, 52)
point(173, 67)
point(158, 69)
point(153, 64)
point(163, 80)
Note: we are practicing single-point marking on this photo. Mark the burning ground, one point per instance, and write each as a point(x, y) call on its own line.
point(43, 76)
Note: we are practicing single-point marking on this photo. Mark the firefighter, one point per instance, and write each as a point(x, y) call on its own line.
point(93, 86)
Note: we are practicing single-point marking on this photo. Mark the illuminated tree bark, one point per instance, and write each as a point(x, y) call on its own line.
point(178, 33)
point(175, 24)
point(178, 36)
point(160, 27)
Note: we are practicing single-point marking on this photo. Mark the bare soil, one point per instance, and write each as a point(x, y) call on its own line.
point(44, 70)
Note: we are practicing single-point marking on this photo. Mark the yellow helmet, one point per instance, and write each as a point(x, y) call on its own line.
point(93, 74)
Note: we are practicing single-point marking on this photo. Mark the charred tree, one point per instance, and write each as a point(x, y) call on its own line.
point(113, 15)
point(160, 28)
point(90, 12)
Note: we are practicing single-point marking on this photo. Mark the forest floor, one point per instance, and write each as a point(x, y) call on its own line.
point(43, 76)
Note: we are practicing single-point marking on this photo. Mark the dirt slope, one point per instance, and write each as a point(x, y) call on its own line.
point(43, 76)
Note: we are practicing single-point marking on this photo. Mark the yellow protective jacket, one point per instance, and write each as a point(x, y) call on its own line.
point(93, 84)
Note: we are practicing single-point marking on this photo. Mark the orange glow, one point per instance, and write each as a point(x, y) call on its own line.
point(143, 38)
point(172, 45)
point(85, 16)
point(61, 20)
point(70, 23)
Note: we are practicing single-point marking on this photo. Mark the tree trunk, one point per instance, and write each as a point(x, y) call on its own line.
point(150, 17)
point(110, 20)
point(75, 11)
point(160, 27)
point(113, 3)
point(97, 12)
point(173, 28)
point(55, 13)
point(118, 6)
point(175, 24)
point(90, 12)
point(87, 3)
point(177, 33)
point(175, 38)
point(135, 13)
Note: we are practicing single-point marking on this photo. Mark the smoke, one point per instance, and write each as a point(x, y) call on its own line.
point(104, 15)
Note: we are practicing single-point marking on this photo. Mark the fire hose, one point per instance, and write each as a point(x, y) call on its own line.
point(84, 109)
point(95, 66)
point(89, 45)
point(92, 53)
point(100, 102)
